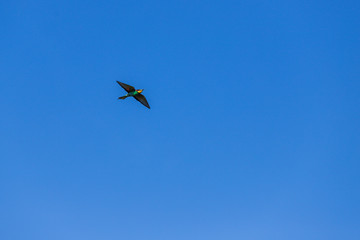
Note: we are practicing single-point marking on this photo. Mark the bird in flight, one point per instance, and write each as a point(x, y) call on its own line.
point(131, 92)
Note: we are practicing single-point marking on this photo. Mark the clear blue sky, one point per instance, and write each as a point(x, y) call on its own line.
point(253, 133)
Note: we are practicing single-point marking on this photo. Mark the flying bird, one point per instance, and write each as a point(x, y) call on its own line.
point(131, 92)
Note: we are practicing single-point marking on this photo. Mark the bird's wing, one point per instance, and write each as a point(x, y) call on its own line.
point(141, 98)
point(127, 88)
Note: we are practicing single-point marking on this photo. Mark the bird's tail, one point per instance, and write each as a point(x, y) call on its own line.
point(123, 97)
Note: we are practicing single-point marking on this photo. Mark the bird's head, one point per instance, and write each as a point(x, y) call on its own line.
point(140, 90)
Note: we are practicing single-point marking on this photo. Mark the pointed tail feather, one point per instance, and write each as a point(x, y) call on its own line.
point(123, 97)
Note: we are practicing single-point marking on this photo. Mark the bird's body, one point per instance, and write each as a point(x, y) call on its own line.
point(134, 93)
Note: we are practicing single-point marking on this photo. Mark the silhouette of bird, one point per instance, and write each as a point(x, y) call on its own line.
point(131, 92)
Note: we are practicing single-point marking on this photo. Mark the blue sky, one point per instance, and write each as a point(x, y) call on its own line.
point(253, 132)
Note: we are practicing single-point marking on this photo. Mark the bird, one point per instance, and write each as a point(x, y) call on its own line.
point(131, 92)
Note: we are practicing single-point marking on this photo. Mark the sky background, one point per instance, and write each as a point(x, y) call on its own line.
point(253, 132)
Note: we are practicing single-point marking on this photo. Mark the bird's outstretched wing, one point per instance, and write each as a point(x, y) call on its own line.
point(126, 87)
point(141, 98)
